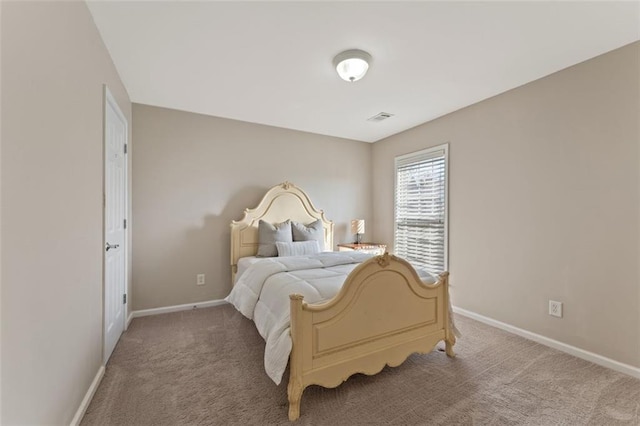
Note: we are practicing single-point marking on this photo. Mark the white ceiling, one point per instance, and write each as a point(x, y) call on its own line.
point(270, 62)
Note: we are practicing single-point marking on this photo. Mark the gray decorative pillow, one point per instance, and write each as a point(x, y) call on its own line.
point(312, 231)
point(269, 234)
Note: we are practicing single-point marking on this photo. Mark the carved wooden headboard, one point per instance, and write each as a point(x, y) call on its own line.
point(282, 202)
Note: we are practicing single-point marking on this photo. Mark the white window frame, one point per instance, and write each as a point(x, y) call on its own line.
point(418, 155)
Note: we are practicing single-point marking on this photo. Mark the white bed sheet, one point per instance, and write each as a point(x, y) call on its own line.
point(244, 263)
point(262, 294)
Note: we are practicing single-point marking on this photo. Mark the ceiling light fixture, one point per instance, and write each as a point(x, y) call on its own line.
point(352, 65)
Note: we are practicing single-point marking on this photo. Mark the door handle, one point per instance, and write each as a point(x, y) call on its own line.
point(114, 246)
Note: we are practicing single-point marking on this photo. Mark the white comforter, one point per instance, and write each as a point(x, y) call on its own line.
point(262, 294)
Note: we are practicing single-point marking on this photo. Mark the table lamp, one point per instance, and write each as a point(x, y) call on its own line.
point(357, 227)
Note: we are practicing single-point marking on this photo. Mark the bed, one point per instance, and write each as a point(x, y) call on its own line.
point(382, 312)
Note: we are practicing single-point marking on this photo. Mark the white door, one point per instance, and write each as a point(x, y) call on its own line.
point(115, 208)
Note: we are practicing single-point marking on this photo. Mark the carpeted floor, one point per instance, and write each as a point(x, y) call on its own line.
point(206, 367)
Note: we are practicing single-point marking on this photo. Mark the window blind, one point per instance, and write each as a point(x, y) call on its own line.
point(421, 209)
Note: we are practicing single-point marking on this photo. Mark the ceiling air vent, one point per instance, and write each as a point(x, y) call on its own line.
point(380, 116)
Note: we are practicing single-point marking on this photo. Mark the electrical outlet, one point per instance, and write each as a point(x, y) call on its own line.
point(555, 308)
point(200, 279)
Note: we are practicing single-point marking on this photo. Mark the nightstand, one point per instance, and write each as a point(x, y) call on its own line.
point(373, 248)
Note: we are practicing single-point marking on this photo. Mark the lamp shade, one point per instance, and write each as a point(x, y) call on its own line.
point(357, 226)
point(352, 65)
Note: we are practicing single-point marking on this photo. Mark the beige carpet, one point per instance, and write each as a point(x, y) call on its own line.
point(206, 367)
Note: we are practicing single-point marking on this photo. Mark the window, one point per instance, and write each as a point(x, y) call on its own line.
point(421, 208)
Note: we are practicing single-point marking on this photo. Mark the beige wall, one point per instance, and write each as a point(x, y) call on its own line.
point(194, 174)
point(544, 203)
point(1, 213)
point(54, 65)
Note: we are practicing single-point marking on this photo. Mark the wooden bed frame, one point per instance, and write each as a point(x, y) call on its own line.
point(382, 314)
point(282, 202)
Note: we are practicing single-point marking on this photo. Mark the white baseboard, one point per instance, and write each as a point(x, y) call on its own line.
point(87, 397)
point(129, 318)
point(571, 350)
point(177, 308)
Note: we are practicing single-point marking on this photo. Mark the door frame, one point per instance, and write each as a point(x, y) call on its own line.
point(109, 100)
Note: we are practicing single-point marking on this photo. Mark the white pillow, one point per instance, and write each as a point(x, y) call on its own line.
point(297, 248)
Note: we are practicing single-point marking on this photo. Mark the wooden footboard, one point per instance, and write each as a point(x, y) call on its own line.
point(382, 314)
